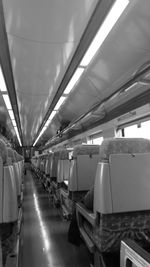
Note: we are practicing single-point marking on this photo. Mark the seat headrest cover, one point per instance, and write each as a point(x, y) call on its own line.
point(123, 146)
point(3, 151)
point(85, 150)
point(56, 153)
point(18, 157)
point(64, 154)
point(11, 154)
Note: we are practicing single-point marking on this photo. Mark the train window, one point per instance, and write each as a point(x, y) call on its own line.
point(119, 133)
point(95, 141)
point(138, 130)
point(89, 142)
point(70, 155)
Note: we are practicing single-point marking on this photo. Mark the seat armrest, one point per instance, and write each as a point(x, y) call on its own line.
point(64, 193)
point(54, 184)
point(87, 214)
point(81, 213)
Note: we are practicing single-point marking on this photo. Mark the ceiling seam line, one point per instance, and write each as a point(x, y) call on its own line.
point(42, 42)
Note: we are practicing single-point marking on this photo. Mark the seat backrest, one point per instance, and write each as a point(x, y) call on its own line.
point(122, 193)
point(1, 188)
point(3, 152)
point(123, 176)
point(54, 163)
point(83, 167)
point(11, 155)
point(63, 166)
point(42, 164)
point(38, 162)
point(48, 164)
point(17, 177)
point(3, 161)
point(10, 208)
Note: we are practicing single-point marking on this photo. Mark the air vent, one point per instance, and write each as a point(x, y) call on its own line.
point(127, 116)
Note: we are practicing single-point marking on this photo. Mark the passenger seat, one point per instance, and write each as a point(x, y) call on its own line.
point(121, 204)
point(82, 171)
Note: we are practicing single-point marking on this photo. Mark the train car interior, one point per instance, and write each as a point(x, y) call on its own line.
point(74, 133)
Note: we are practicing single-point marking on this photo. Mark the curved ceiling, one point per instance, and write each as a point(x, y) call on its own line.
point(43, 37)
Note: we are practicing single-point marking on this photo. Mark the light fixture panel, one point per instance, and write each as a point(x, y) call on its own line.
point(7, 101)
point(75, 78)
point(59, 103)
point(3, 87)
point(11, 114)
point(110, 20)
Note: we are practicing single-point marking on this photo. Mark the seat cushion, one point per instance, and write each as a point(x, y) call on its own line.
point(88, 199)
point(114, 228)
point(85, 150)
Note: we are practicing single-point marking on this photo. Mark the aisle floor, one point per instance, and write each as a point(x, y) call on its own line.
point(44, 232)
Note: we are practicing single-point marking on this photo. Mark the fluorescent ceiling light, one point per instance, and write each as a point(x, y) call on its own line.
point(60, 102)
point(11, 114)
point(3, 87)
point(131, 87)
point(110, 20)
point(52, 115)
point(42, 131)
point(14, 123)
point(7, 101)
point(35, 142)
point(76, 76)
point(47, 123)
point(50, 118)
point(17, 133)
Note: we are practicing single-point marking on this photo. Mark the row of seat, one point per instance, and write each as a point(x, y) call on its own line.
point(119, 171)
point(11, 180)
point(64, 174)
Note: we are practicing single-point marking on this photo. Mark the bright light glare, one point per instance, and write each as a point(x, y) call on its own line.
point(134, 131)
point(66, 182)
point(50, 118)
point(52, 115)
point(36, 141)
point(14, 123)
point(42, 131)
point(47, 123)
point(7, 101)
point(43, 229)
point(17, 133)
point(11, 114)
point(2, 82)
point(131, 87)
point(76, 76)
point(110, 20)
point(60, 102)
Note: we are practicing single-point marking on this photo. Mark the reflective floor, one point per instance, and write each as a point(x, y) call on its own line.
point(44, 233)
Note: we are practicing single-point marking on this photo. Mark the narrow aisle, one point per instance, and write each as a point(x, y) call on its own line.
point(45, 234)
